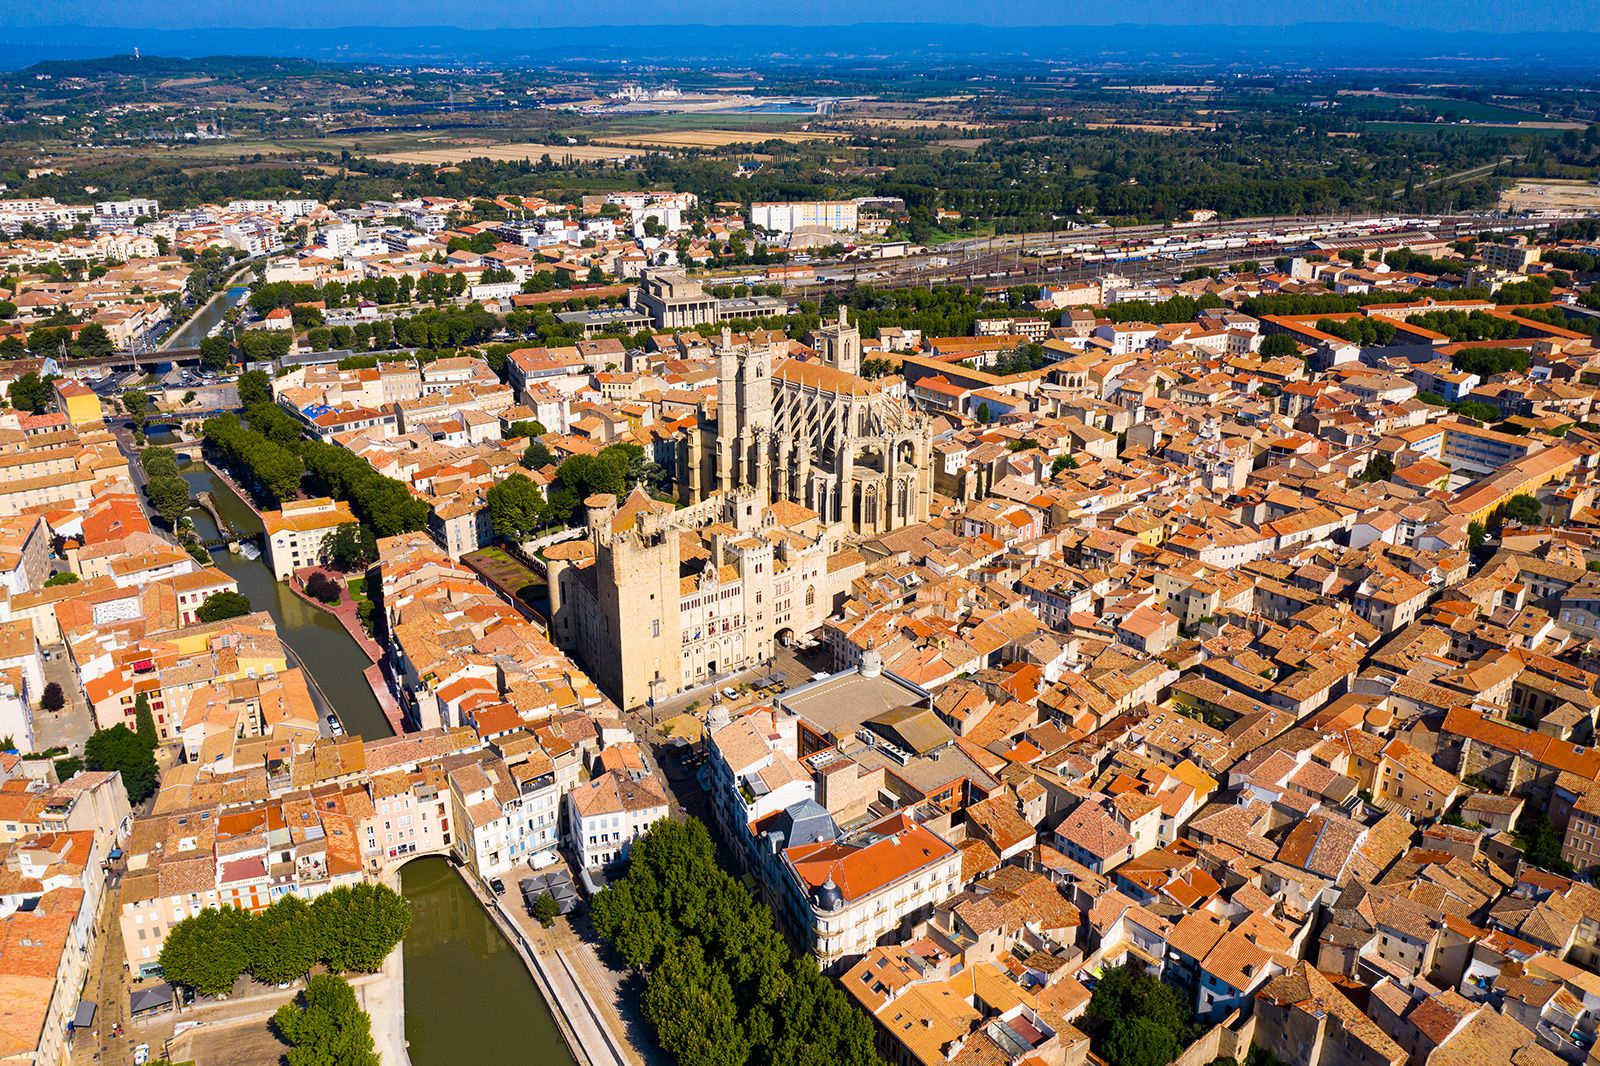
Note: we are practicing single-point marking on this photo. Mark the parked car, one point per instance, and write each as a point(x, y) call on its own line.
point(141, 1055)
point(730, 693)
point(498, 885)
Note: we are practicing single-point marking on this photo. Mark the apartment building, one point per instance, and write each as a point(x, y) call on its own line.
point(297, 535)
point(841, 896)
point(605, 816)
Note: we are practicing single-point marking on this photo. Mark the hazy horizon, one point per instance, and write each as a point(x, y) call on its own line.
point(1486, 16)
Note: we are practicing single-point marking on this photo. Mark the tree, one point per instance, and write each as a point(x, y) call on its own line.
point(721, 984)
point(52, 698)
point(216, 353)
point(537, 455)
point(1140, 1042)
point(358, 925)
point(1522, 509)
point(220, 606)
point(121, 749)
point(145, 722)
point(323, 587)
point(1279, 344)
point(1135, 1020)
point(207, 951)
point(325, 1026)
point(29, 393)
point(169, 495)
point(254, 388)
point(136, 402)
point(68, 767)
point(94, 342)
point(352, 547)
point(1540, 842)
point(691, 1005)
point(526, 428)
point(1379, 468)
point(282, 943)
point(65, 577)
point(516, 507)
point(984, 415)
point(545, 909)
point(159, 462)
point(1475, 535)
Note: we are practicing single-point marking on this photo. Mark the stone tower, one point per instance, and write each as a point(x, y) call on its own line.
point(636, 594)
point(744, 414)
point(839, 344)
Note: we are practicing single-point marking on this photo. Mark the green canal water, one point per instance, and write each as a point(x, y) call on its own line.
point(469, 997)
point(321, 644)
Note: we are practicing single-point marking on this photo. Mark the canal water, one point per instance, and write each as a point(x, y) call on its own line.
point(469, 996)
point(320, 642)
point(192, 332)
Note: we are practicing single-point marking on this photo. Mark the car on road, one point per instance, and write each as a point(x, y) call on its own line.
point(498, 885)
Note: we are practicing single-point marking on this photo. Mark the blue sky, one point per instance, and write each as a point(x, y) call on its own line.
point(1480, 15)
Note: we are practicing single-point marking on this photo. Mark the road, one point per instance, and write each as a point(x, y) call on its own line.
point(1461, 175)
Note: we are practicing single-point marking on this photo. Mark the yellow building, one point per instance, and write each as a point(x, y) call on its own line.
point(78, 402)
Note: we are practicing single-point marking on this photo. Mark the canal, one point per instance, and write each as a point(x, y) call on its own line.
point(469, 996)
point(319, 641)
point(192, 332)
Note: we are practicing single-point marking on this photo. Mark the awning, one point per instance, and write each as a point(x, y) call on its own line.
point(142, 1000)
point(85, 1016)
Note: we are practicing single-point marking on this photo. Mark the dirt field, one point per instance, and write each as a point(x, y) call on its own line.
point(1150, 127)
point(1552, 195)
point(719, 138)
point(909, 123)
point(245, 1044)
point(509, 153)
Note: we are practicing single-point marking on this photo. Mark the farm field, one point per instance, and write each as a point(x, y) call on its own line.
point(718, 138)
point(505, 153)
point(1434, 106)
point(1475, 128)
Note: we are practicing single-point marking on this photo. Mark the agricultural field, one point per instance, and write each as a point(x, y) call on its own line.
point(1431, 107)
point(719, 138)
point(504, 153)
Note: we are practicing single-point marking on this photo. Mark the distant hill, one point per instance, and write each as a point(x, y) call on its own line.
point(1138, 46)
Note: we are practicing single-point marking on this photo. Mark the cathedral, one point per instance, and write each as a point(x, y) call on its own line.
point(812, 432)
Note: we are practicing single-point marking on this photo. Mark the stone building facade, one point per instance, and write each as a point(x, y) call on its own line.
point(656, 601)
point(812, 432)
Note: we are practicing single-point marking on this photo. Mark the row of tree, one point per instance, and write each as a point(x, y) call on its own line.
point(168, 492)
point(270, 470)
point(1468, 326)
point(722, 987)
point(351, 928)
point(383, 504)
point(1366, 331)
